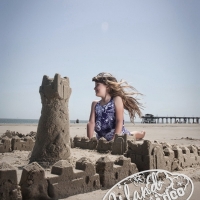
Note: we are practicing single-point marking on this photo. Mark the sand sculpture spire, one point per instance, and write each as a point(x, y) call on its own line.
point(53, 138)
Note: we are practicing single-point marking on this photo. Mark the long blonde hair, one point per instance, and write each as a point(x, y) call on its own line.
point(122, 89)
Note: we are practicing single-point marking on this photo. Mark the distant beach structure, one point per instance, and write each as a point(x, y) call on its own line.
point(149, 118)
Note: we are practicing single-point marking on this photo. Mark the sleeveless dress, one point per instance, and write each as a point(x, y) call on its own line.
point(105, 121)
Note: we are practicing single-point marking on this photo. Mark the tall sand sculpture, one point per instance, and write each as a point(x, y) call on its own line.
point(53, 137)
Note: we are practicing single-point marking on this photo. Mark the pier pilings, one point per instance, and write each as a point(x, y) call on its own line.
point(171, 120)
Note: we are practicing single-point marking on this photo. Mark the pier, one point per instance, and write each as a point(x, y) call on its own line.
point(148, 118)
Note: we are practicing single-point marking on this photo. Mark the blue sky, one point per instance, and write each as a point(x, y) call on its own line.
point(154, 45)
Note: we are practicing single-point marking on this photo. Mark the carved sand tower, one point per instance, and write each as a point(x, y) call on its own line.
point(53, 138)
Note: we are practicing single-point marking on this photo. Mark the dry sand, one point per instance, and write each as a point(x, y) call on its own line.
point(184, 134)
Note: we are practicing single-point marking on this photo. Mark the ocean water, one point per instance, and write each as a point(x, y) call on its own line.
point(28, 121)
point(35, 121)
point(18, 121)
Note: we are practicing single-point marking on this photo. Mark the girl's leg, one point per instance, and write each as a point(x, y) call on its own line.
point(138, 134)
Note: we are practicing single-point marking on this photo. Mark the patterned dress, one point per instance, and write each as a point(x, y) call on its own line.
point(105, 121)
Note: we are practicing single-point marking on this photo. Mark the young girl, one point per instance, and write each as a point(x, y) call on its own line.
point(107, 115)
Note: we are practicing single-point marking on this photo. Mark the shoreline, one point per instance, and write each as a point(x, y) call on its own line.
point(126, 124)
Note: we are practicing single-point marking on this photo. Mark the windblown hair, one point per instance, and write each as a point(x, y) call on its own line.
point(122, 89)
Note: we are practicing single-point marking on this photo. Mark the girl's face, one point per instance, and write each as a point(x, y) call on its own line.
point(100, 89)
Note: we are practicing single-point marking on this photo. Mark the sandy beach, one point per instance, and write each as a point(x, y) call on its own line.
point(171, 133)
point(182, 134)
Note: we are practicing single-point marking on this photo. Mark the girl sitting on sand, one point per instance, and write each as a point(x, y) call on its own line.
point(107, 115)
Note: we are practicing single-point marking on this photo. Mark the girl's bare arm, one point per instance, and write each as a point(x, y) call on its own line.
point(119, 109)
point(91, 123)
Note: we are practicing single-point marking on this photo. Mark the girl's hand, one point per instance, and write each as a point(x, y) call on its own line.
point(114, 136)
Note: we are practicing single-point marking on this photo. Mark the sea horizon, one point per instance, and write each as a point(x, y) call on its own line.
point(35, 121)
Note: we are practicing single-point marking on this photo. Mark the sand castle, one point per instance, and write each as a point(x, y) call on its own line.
point(146, 155)
point(66, 180)
point(53, 145)
point(53, 139)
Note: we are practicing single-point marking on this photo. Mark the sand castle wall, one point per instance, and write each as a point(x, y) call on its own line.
point(146, 155)
point(112, 172)
point(154, 155)
point(117, 147)
point(64, 180)
point(25, 144)
point(5, 145)
point(84, 143)
point(16, 143)
point(9, 188)
point(69, 181)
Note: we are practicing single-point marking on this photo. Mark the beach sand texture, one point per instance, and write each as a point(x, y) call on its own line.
point(171, 133)
point(182, 134)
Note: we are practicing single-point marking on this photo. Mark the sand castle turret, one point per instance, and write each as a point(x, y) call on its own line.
point(53, 138)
